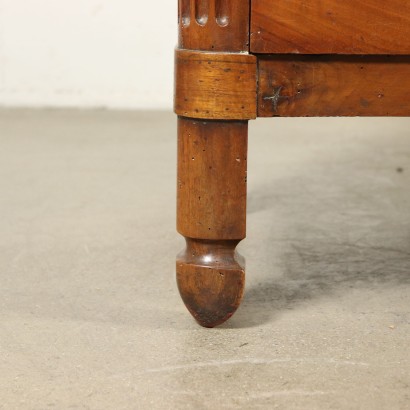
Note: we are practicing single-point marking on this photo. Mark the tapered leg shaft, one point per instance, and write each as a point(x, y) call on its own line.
point(215, 80)
point(212, 166)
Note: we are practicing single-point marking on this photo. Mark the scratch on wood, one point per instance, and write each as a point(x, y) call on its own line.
point(274, 98)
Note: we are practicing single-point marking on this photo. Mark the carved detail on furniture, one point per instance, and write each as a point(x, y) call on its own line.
point(214, 25)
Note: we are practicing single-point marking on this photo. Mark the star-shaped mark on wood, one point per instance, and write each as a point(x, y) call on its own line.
point(275, 97)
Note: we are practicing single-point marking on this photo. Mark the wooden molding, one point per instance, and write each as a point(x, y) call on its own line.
point(214, 25)
point(315, 86)
point(213, 85)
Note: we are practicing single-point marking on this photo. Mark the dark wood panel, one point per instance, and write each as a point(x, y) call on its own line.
point(334, 86)
point(330, 26)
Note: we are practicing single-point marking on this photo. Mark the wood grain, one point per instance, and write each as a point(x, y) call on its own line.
point(334, 86)
point(219, 84)
point(212, 159)
point(211, 203)
point(215, 85)
point(211, 280)
point(330, 26)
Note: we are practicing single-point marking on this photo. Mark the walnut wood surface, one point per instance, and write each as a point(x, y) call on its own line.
point(330, 26)
point(212, 158)
point(334, 86)
point(214, 25)
point(211, 280)
point(214, 100)
point(211, 192)
point(212, 154)
point(215, 85)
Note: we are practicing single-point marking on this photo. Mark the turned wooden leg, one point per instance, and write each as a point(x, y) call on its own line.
point(215, 96)
point(212, 157)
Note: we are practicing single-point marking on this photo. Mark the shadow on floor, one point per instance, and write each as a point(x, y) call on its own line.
point(312, 253)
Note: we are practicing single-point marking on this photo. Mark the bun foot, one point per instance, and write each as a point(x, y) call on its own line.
point(211, 280)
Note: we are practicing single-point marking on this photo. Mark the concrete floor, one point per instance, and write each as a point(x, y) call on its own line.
point(90, 317)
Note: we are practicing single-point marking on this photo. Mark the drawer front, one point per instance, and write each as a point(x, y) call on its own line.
point(330, 26)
